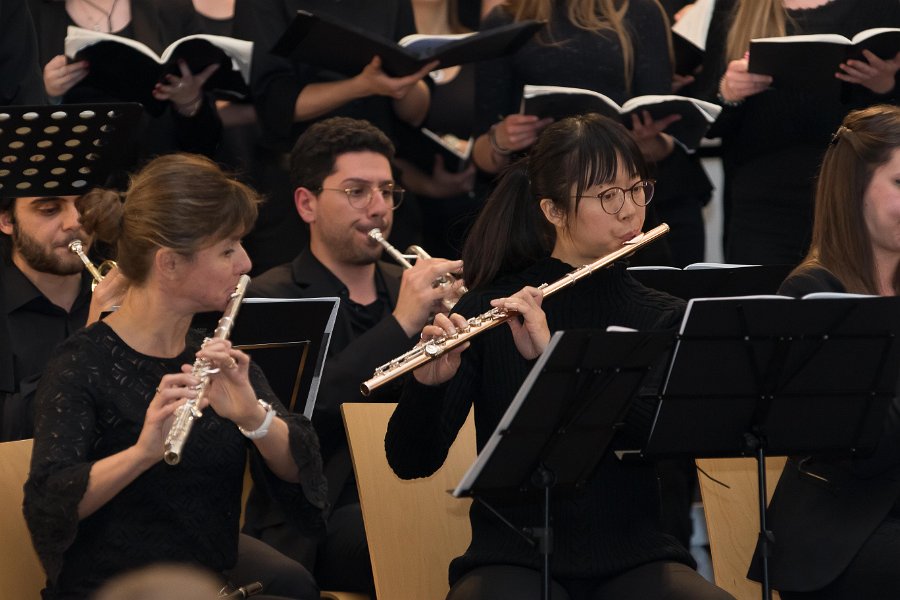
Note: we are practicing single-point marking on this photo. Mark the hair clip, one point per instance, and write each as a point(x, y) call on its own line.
point(836, 136)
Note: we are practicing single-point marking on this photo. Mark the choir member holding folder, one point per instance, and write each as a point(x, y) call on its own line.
point(836, 521)
point(774, 135)
point(593, 45)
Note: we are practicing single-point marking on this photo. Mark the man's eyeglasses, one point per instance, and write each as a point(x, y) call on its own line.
point(360, 196)
point(613, 199)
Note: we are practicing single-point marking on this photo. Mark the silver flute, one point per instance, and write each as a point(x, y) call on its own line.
point(444, 281)
point(425, 353)
point(187, 413)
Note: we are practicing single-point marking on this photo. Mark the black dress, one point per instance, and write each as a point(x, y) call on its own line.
point(91, 404)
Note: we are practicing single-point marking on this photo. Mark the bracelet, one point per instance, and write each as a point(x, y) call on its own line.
point(190, 109)
point(723, 101)
point(492, 138)
point(262, 430)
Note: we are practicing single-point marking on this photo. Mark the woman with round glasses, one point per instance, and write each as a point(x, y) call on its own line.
point(579, 195)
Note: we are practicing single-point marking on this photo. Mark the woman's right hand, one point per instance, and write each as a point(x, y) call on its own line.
point(443, 368)
point(173, 390)
point(60, 76)
point(738, 83)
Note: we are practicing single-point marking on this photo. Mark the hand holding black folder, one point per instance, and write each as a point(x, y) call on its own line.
point(810, 61)
point(313, 39)
point(128, 69)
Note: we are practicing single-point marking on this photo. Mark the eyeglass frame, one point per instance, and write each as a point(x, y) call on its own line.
point(642, 182)
point(382, 189)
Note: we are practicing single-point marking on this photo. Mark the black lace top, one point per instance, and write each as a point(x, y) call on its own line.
point(91, 404)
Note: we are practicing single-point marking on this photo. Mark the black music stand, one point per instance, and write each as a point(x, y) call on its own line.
point(557, 428)
point(713, 282)
point(770, 376)
point(63, 150)
point(288, 339)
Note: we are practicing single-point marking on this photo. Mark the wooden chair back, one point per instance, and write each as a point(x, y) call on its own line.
point(21, 573)
point(732, 518)
point(414, 528)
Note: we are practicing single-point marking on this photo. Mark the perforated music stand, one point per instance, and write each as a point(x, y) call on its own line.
point(778, 376)
point(557, 428)
point(62, 150)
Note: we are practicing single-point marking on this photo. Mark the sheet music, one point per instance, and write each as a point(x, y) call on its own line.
point(694, 25)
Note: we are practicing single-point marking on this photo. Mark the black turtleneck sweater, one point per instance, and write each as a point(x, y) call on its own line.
point(606, 528)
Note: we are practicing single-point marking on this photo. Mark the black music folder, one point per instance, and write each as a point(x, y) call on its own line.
point(288, 338)
point(315, 40)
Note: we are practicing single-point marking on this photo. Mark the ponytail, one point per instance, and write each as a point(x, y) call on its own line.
point(510, 232)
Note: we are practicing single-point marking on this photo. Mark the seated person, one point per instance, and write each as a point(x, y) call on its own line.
point(99, 500)
point(44, 298)
point(580, 194)
point(344, 188)
point(837, 521)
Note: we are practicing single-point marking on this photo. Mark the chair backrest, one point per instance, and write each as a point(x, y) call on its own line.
point(732, 518)
point(21, 574)
point(414, 528)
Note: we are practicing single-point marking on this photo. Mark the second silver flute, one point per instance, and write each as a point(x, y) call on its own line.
point(187, 413)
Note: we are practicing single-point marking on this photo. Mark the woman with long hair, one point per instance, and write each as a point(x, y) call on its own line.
point(580, 194)
point(836, 521)
point(99, 499)
point(773, 138)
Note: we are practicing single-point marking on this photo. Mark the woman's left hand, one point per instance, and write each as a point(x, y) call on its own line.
point(186, 91)
point(873, 73)
point(531, 334)
point(230, 393)
point(654, 144)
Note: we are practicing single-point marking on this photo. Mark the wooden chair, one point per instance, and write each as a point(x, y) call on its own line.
point(414, 528)
point(21, 574)
point(732, 518)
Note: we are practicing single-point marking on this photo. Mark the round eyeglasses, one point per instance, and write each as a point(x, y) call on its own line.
point(613, 199)
point(360, 196)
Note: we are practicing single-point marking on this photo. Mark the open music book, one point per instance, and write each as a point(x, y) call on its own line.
point(689, 36)
point(336, 46)
point(810, 61)
point(128, 69)
point(559, 102)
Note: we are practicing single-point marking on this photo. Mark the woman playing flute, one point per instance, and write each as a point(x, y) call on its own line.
point(99, 500)
point(580, 194)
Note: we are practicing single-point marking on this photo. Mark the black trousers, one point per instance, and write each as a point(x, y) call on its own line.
point(660, 580)
point(282, 577)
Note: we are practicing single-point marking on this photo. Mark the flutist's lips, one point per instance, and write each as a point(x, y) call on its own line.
point(630, 236)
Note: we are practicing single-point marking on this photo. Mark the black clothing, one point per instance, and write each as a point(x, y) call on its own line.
point(277, 82)
point(359, 343)
point(506, 582)
point(773, 143)
point(156, 23)
point(594, 61)
point(91, 404)
point(827, 513)
point(33, 327)
point(609, 527)
point(21, 80)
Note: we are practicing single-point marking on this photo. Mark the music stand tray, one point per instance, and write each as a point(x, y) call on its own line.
point(760, 376)
point(557, 428)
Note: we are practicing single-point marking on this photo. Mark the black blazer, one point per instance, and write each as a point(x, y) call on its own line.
point(823, 511)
